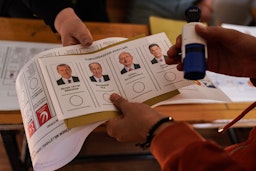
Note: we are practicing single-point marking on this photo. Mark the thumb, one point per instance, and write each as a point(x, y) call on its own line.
point(213, 33)
point(209, 33)
point(201, 30)
point(86, 40)
point(117, 100)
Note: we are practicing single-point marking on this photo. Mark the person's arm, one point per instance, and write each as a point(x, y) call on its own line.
point(60, 16)
point(175, 145)
point(72, 29)
point(48, 9)
point(180, 148)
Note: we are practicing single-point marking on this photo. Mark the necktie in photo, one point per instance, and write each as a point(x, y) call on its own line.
point(99, 80)
point(69, 81)
point(130, 69)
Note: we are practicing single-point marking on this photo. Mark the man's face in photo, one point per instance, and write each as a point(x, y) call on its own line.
point(96, 69)
point(156, 51)
point(126, 59)
point(65, 71)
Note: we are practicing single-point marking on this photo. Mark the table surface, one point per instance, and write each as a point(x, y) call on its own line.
point(30, 30)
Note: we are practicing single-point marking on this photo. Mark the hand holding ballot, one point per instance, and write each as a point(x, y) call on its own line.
point(175, 145)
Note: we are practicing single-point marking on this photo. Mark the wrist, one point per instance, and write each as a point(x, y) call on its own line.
point(162, 127)
point(154, 130)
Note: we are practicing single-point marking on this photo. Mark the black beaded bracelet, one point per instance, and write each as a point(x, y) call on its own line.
point(150, 134)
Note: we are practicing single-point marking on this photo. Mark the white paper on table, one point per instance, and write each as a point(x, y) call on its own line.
point(14, 54)
point(238, 89)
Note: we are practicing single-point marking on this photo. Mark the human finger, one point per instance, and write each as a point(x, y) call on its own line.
point(174, 52)
point(85, 38)
point(117, 100)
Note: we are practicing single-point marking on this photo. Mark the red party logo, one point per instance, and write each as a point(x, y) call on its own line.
point(43, 114)
point(31, 128)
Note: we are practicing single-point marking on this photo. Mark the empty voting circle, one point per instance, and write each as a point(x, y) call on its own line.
point(76, 100)
point(138, 87)
point(170, 76)
point(106, 97)
point(33, 83)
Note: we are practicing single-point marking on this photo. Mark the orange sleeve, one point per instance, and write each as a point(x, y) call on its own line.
point(180, 148)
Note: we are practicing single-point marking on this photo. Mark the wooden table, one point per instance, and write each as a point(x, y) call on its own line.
point(200, 115)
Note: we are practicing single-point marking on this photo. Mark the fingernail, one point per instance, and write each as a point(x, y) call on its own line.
point(114, 97)
point(87, 42)
point(201, 26)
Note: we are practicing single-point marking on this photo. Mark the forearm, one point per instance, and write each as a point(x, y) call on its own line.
point(180, 148)
point(48, 9)
point(171, 140)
